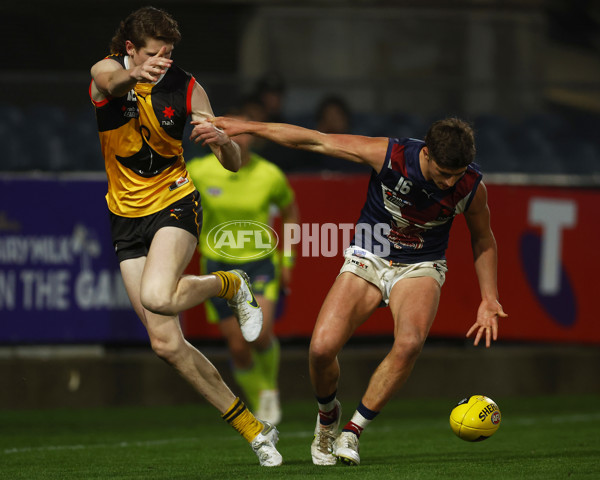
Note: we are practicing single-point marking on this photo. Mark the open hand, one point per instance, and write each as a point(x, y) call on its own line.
point(487, 322)
point(153, 67)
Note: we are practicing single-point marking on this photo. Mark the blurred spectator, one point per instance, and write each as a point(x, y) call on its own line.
point(270, 90)
point(253, 107)
point(333, 115)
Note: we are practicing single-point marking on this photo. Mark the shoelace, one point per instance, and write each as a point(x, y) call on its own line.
point(326, 439)
point(349, 441)
point(265, 450)
point(242, 309)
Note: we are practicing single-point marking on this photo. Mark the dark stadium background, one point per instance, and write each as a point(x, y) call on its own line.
point(525, 73)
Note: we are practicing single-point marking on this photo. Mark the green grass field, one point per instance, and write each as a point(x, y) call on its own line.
point(540, 438)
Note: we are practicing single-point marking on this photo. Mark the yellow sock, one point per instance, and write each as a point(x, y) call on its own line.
point(230, 284)
point(240, 418)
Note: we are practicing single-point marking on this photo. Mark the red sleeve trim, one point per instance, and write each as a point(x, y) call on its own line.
point(96, 104)
point(188, 100)
point(398, 160)
point(474, 185)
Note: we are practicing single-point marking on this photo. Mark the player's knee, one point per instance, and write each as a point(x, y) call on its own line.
point(406, 349)
point(166, 349)
point(157, 302)
point(320, 354)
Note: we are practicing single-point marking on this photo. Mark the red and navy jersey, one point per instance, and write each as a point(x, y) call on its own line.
point(406, 218)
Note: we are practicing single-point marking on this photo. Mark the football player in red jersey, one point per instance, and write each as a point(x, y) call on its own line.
point(416, 189)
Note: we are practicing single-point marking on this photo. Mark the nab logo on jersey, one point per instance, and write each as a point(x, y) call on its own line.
point(168, 112)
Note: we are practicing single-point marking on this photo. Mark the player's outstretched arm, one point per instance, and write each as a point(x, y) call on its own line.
point(226, 150)
point(355, 148)
point(485, 257)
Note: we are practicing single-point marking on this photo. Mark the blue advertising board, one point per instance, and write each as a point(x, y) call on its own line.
point(59, 277)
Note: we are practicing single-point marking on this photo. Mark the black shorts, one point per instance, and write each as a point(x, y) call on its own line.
point(132, 237)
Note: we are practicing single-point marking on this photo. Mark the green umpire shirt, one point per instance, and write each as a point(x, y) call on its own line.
point(238, 207)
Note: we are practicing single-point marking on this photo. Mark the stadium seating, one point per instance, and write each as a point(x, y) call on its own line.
point(494, 153)
point(82, 142)
point(52, 138)
point(11, 126)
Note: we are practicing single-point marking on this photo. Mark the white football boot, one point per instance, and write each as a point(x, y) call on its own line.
point(269, 408)
point(264, 446)
point(345, 448)
point(321, 448)
point(246, 308)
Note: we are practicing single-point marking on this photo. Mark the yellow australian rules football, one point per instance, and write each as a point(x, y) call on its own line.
point(475, 418)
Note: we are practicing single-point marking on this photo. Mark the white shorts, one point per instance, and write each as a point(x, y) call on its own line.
point(384, 276)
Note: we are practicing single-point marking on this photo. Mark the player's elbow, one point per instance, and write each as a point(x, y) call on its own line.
point(233, 167)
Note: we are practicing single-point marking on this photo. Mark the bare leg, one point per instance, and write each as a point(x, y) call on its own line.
point(414, 303)
point(348, 304)
point(164, 331)
point(163, 287)
point(169, 344)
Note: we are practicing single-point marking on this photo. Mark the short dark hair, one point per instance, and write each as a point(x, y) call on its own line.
point(270, 82)
point(144, 23)
point(451, 143)
point(333, 101)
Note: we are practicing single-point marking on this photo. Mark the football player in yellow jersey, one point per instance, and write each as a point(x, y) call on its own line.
point(235, 204)
point(142, 102)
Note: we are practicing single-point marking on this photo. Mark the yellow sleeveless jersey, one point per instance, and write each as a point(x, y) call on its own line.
point(140, 136)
